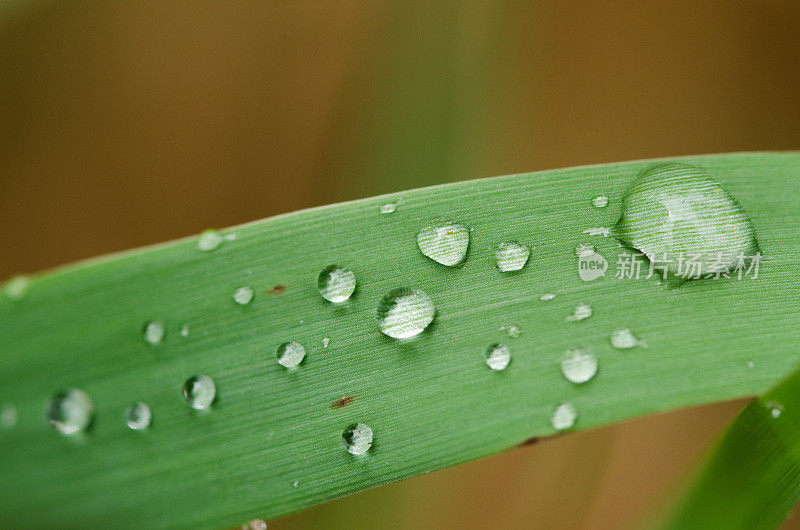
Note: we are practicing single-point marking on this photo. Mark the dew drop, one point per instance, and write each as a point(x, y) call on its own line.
point(405, 313)
point(70, 411)
point(243, 295)
point(601, 201)
point(325, 342)
point(674, 212)
point(775, 409)
point(581, 312)
point(600, 231)
point(16, 287)
point(624, 339)
point(138, 416)
point(336, 284)
point(444, 242)
point(255, 524)
point(389, 207)
point(579, 366)
point(751, 364)
point(199, 392)
point(209, 240)
point(184, 330)
point(295, 483)
point(546, 297)
point(498, 357)
point(291, 354)
point(583, 251)
point(154, 332)
point(8, 416)
point(357, 438)
point(511, 256)
point(564, 417)
point(511, 330)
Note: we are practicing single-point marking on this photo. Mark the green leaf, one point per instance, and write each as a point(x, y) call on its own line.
point(272, 443)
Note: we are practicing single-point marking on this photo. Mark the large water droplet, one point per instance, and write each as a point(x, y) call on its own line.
point(674, 213)
point(244, 295)
point(8, 416)
point(138, 416)
point(357, 438)
point(70, 411)
point(624, 339)
point(209, 240)
point(511, 256)
point(16, 287)
point(564, 417)
point(581, 312)
point(199, 392)
point(601, 201)
point(579, 366)
point(336, 284)
point(291, 354)
point(444, 242)
point(154, 332)
point(498, 357)
point(405, 313)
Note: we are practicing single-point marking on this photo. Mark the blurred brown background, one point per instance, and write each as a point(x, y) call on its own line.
point(125, 124)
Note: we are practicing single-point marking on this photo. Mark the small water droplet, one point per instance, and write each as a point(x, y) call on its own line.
point(389, 207)
point(546, 297)
point(184, 330)
point(579, 366)
point(336, 284)
point(138, 416)
point(624, 339)
point(498, 357)
point(564, 417)
point(751, 364)
point(601, 201)
point(511, 256)
point(291, 354)
point(199, 392)
point(8, 416)
point(405, 313)
point(444, 242)
point(154, 332)
point(209, 240)
point(581, 312)
point(357, 438)
point(511, 330)
point(584, 250)
point(775, 409)
point(600, 231)
point(230, 237)
point(325, 342)
point(70, 411)
point(243, 295)
point(295, 483)
point(674, 212)
point(16, 287)
point(255, 524)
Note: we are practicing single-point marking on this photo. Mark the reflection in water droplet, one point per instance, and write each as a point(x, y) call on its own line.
point(199, 392)
point(138, 416)
point(336, 284)
point(243, 295)
point(601, 201)
point(405, 313)
point(444, 242)
point(581, 312)
point(564, 417)
point(674, 213)
point(624, 339)
point(209, 240)
point(16, 287)
point(511, 256)
point(8, 416)
point(357, 438)
point(291, 354)
point(579, 366)
point(154, 332)
point(511, 330)
point(255, 524)
point(498, 357)
point(547, 297)
point(70, 411)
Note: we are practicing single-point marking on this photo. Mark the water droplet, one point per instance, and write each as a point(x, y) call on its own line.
point(336, 284)
point(498, 357)
point(674, 212)
point(230, 237)
point(357, 438)
point(601, 201)
point(295, 483)
point(581, 312)
point(243, 295)
point(600, 231)
point(325, 342)
point(564, 417)
point(546, 297)
point(624, 339)
point(751, 364)
point(405, 313)
point(154, 332)
point(8, 416)
point(70, 411)
point(291, 354)
point(775, 409)
point(511, 330)
point(511, 256)
point(388, 207)
point(16, 287)
point(444, 242)
point(255, 524)
point(584, 250)
point(138, 416)
point(184, 330)
point(579, 366)
point(209, 240)
point(199, 392)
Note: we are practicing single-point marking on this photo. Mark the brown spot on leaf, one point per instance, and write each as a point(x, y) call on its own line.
point(529, 441)
point(342, 402)
point(278, 289)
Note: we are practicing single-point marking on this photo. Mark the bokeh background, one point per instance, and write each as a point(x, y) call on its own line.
point(129, 123)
